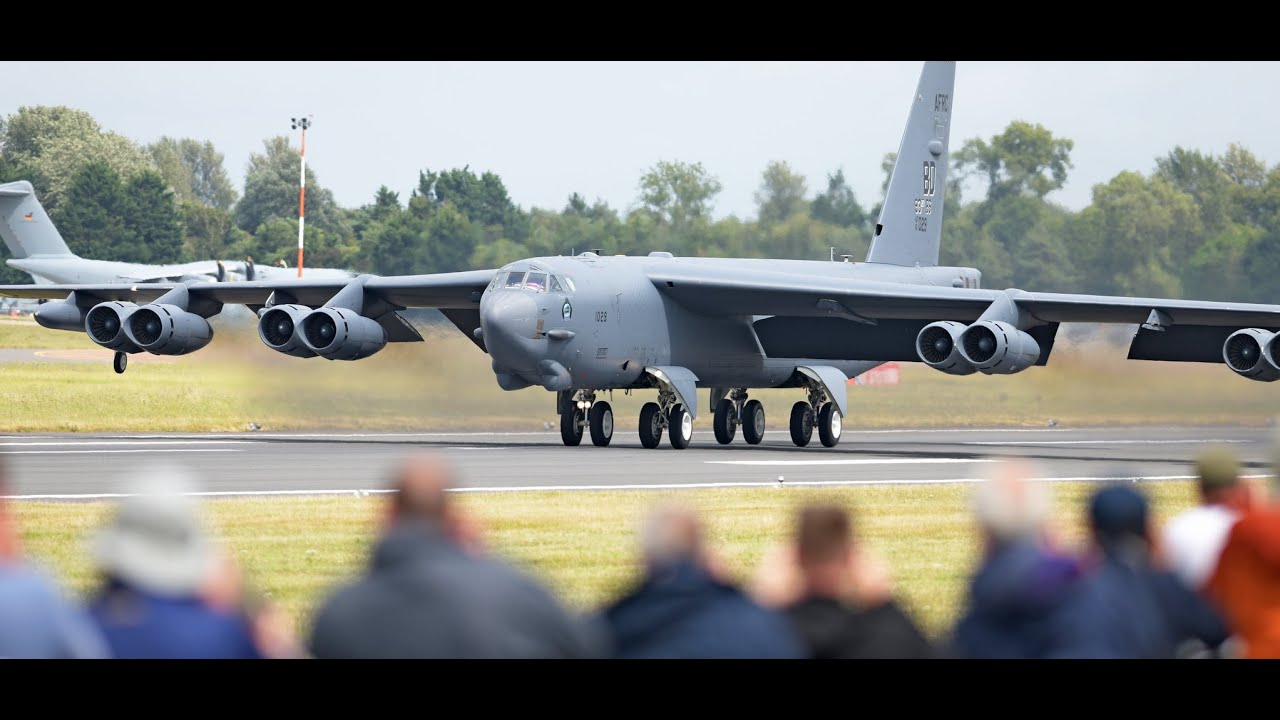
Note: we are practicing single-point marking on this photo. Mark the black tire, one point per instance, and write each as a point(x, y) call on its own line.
point(829, 425)
point(571, 425)
point(725, 422)
point(680, 423)
point(753, 422)
point(650, 427)
point(120, 363)
point(601, 417)
point(801, 424)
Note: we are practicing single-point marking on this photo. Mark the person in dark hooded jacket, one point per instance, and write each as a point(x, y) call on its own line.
point(1021, 589)
point(1127, 607)
point(682, 609)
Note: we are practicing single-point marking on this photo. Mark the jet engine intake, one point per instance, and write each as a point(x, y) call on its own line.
point(1253, 353)
point(995, 347)
point(278, 329)
point(167, 330)
point(105, 324)
point(341, 334)
point(938, 346)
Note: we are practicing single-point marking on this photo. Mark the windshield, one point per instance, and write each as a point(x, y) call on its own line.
point(536, 281)
point(515, 279)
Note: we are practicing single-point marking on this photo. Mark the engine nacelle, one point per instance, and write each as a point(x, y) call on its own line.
point(1254, 354)
point(278, 329)
point(167, 330)
point(938, 346)
point(341, 334)
point(61, 315)
point(995, 347)
point(105, 324)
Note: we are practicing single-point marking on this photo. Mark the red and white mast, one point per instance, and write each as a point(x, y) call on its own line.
point(303, 123)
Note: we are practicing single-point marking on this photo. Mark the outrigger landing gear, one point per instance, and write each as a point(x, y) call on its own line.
point(665, 415)
point(819, 411)
point(734, 410)
point(120, 363)
point(580, 409)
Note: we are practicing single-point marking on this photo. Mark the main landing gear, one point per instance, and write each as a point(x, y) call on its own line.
point(581, 409)
point(736, 410)
point(817, 411)
point(665, 415)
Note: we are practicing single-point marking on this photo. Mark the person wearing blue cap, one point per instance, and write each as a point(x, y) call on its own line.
point(1127, 607)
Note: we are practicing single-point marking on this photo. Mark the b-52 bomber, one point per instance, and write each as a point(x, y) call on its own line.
point(585, 324)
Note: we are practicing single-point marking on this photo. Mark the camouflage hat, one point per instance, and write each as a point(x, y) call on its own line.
point(1218, 468)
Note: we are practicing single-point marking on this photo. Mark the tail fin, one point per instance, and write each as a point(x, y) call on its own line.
point(24, 226)
point(909, 229)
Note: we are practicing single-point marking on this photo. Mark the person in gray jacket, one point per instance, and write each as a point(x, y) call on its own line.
point(431, 592)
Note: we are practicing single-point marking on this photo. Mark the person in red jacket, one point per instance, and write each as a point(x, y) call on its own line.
point(1246, 582)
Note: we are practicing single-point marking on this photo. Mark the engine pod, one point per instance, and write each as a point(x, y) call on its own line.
point(168, 330)
point(105, 325)
point(938, 345)
point(995, 347)
point(1253, 353)
point(279, 328)
point(341, 334)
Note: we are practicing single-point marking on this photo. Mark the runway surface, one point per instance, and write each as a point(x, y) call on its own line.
point(101, 356)
point(254, 463)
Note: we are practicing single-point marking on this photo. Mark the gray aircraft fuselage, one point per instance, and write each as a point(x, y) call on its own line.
point(619, 323)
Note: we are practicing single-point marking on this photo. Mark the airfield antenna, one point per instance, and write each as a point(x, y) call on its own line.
point(303, 123)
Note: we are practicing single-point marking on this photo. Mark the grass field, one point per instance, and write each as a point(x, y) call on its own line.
point(446, 383)
point(582, 544)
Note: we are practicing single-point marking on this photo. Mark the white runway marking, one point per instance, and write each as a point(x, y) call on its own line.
point(857, 461)
point(135, 450)
point(655, 486)
point(127, 442)
point(1189, 441)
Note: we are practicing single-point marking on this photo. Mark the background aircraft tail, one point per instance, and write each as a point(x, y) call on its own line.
point(24, 225)
point(909, 229)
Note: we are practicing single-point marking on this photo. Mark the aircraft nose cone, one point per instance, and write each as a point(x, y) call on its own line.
point(509, 320)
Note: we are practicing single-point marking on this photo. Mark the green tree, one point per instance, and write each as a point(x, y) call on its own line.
point(1025, 158)
point(54, 143)
point(481, 199)
point(271, 192)
point(837, 205)
point(93, 219)
point(194, 170)
point(152, 216)
point(677, 193)
point(781, 194)
point(207, 232)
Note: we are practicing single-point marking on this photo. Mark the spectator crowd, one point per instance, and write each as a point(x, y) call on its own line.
point(1205, 584)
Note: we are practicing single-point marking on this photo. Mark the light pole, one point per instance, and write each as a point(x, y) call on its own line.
point(303, 123)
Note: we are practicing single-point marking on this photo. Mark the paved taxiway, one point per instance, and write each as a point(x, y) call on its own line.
point(83, 466)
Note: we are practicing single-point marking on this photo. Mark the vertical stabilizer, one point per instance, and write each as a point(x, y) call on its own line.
point(909, 229)
point(24, 225)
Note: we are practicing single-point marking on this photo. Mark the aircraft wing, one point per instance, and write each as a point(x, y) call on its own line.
point(721, 291)
point(460, 290)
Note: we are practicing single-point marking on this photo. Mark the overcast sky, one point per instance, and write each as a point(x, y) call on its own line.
point(553, 128)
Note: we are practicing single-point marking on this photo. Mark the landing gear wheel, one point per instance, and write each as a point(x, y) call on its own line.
point(681, 424)
point(120, 363)
point(601, 417)
point(801, 423)
point(571, 425)
point(725, 422)
point(829, 424)
point(650, 425)
point(753, 422)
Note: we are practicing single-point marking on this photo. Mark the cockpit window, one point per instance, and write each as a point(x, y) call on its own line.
point(496, 282)
point(555, 284)
point(536, 281)
point(568, 282)
point(515, 279)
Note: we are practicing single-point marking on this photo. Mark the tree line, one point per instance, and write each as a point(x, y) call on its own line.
point(1198, 225)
